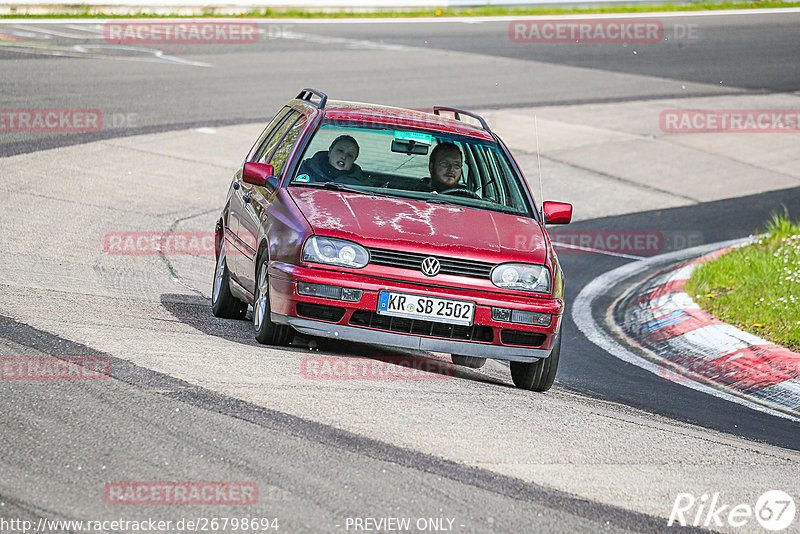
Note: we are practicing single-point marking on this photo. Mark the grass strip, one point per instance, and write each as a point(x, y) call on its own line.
point(89, 12)
point(757, 287)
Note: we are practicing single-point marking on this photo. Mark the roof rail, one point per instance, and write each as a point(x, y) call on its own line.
point(457, 115)
point(307, 93)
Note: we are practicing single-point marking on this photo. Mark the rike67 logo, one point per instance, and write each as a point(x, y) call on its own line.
point(774, 511)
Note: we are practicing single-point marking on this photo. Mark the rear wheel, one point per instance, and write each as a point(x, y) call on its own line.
point(223, 303)
point(475, 362)
point(539, 375)
point(266, 331)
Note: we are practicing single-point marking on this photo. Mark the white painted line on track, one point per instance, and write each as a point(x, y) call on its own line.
point(83, 28)
point(359, 44)
point(582, 315)
point(84, 35)
point(423, 20)
point(97, 34)
point(158, 56)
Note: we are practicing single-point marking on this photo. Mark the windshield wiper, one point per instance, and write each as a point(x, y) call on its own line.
point(443, 201)
point(498, 209)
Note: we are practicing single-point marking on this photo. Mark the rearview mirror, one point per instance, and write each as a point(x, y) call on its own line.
point(259, 174)
point(409, 147)
point(557, 212)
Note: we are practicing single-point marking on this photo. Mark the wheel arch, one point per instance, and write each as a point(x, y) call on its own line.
point(219, 236)
point(263, 250)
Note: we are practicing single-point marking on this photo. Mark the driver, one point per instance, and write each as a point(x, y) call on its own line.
point(337, 164)
point(445, 167)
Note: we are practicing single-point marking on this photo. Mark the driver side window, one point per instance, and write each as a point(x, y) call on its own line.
point(281, 154)
point(264, 152)
point(267, 131)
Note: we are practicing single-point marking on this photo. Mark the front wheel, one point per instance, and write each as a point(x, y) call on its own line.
point(223, 303)
point(266, 331)
point(539, 375)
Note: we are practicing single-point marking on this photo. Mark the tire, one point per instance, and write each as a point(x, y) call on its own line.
point(267, 332)
point(539, 375)
point(223, 303)
point(474, 362)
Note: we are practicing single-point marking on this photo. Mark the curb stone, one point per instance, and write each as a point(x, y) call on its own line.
point(692, 344)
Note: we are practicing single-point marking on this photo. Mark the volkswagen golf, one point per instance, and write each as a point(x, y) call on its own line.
point(393, 227)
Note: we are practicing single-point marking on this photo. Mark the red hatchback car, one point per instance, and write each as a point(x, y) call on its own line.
point(393, 227)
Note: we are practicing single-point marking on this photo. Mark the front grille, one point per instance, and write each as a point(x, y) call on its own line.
point(319, 311)
point(413, 261)
point(520, 338)
point(419, 327)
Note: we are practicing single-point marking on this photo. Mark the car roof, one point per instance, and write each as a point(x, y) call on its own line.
point(339, 110)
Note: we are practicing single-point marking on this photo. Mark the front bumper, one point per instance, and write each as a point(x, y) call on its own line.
point(492, 343)
point(410, 341)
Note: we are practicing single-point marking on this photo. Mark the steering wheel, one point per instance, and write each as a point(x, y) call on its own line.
point(460, 192)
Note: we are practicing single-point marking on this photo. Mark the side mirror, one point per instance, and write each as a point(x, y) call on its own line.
point(557, 212)
point(260, 174)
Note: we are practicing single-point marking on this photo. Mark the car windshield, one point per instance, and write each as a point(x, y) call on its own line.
point(406, 163)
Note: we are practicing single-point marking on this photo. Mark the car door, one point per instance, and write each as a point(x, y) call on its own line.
point(257, 200)
point(236, 248)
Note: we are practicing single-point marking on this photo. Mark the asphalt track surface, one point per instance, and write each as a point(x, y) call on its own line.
point(312, 475)
point(708, 55)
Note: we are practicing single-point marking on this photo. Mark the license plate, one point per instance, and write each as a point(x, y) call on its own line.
point(428, 308)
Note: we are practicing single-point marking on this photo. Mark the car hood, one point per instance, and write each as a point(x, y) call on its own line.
point(392, 223)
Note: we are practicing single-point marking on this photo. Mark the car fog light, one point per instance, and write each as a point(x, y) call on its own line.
point(501, 314)
point(528, 317)
point(319, 290)
point(351, 295)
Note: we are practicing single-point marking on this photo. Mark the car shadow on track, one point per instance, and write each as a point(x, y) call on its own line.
point(195, 311)
point(385, 361)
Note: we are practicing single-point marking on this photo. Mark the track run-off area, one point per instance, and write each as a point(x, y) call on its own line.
point(613, 446)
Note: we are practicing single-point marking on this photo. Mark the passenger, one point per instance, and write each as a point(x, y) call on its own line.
point(337, 164)
point(445, 167)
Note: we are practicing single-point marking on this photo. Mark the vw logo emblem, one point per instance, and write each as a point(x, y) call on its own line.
point(430, 266)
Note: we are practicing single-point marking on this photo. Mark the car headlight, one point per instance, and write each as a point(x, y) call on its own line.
point(522, 277)
point(335, 252)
